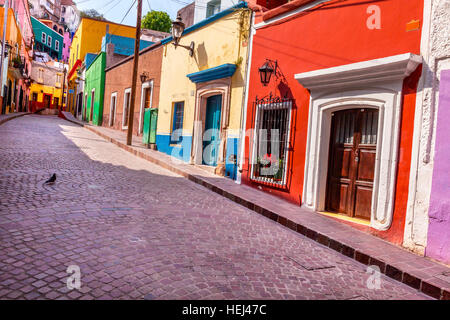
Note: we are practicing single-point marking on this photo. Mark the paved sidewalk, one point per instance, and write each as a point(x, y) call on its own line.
point(6, 117)
point(418, 272)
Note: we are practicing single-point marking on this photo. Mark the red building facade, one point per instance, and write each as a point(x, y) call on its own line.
point(341, 100)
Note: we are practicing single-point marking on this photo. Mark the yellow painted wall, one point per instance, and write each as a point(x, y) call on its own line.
point(36, 87)
point(220, 42)
point(13, 34)
point(88, 37)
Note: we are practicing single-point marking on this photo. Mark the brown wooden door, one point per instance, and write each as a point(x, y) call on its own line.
point(47, 101)
point(353, 144)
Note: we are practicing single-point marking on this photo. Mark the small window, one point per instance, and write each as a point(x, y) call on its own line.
point(270, 150)
point(49, 41)
point(56, 45)
point(177, 122)
point(212, 8)
point(44, 38)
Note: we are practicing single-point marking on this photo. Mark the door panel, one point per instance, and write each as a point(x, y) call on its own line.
point(366, 165)
point(338, 196)
point(212, 130)
point(363, 202)
point(341, 161)
point(352, 162)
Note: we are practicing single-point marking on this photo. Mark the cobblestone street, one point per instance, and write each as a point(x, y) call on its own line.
point(138, 231)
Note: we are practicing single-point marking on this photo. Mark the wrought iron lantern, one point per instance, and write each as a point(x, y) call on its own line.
point(178, 27)
point(266, 71)
point(144, 76)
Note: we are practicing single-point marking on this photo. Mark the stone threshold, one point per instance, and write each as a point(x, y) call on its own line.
point(430, 277)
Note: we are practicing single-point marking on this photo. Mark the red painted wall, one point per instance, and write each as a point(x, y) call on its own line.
point(332, 34)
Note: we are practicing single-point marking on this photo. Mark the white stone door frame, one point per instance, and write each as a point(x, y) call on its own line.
point(148, 84)
point(373, 84)
point(203, 92)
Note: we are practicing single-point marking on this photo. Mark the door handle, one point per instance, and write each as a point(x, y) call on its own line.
point(357, 156)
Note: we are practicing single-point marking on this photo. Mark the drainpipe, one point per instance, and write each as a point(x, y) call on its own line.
point(5, 20)
point(242, 135)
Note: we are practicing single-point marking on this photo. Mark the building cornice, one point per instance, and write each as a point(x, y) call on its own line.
point(384, 69)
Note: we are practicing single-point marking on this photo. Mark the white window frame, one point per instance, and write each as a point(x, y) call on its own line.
point(49, 41)
point(145, 85)
point(56, 45)
point(259, 107)
point(44, 38)
point(124, 114)
point(113, 95)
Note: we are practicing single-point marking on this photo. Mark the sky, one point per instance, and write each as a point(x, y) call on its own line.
point(115, 10)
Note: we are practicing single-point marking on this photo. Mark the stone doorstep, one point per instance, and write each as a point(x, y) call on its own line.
point(415, 271)
point(6, 117)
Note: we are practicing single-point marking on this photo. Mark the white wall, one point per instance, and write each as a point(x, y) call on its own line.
point(435, 50)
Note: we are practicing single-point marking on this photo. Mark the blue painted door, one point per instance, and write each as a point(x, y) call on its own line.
point(211, 136)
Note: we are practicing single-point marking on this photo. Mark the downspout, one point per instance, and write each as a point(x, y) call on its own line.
point(243, 119)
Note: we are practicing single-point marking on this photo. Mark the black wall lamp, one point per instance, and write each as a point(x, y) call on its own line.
point(266, 71)
point(177, 31)
point(144, 76)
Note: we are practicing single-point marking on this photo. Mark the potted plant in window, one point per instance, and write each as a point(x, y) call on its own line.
point(278, 176)
point(272, 166)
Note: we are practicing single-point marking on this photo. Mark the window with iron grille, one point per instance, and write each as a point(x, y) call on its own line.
point(177, 123)
point(271, 141)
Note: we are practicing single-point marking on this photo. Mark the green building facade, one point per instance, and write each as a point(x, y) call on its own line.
point(95, 89)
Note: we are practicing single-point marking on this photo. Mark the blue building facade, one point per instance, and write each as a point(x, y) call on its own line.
point(47, 40)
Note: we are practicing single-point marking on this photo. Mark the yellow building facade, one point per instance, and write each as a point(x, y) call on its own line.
point(88, 39)
point(46, 86)
point(40, 92)
point(201, 96)
point(10, 74)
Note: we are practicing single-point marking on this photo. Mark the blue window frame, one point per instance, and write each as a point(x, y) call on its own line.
point(177, 122)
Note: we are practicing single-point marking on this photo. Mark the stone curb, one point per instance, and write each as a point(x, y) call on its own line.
point(13, 117)
point(389, 270)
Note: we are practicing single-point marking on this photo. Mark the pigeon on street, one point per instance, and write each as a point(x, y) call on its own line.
point(51, 180)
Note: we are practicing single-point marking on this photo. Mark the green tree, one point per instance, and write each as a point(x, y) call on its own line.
point(157, 20)
point(92, 13)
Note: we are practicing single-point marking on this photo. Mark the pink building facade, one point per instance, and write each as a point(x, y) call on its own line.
point(66, 46)
point(438, 244)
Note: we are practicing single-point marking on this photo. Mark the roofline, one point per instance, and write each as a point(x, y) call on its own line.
point(209, 20)
point(46, 27)
point(98, 55)
point(124, 60)
point(192, 28)
point(106, 21)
